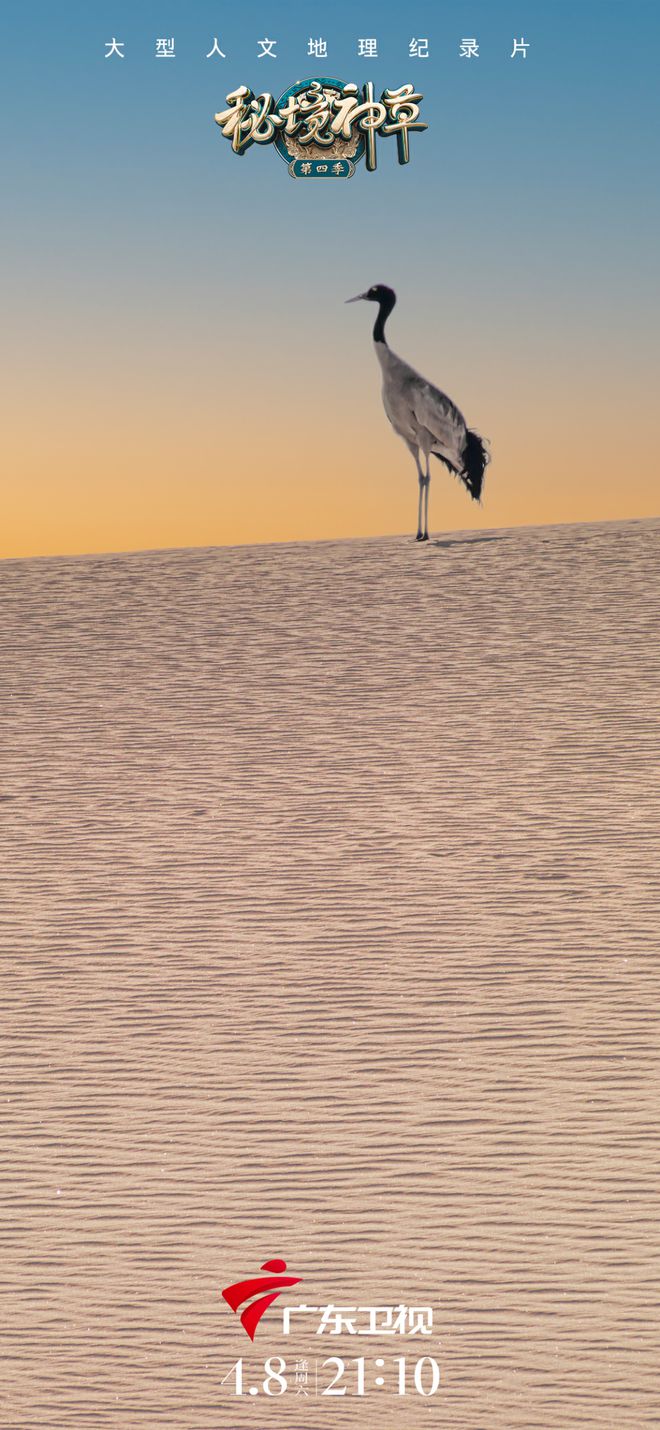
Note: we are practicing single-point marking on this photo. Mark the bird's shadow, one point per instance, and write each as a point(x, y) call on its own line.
point(465, 541)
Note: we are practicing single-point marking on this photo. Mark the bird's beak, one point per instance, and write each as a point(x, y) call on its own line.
point(357, 298)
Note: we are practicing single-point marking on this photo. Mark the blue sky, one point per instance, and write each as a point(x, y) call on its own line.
point(522, 238)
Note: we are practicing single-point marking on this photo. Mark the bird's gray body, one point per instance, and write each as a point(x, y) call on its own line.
point(426, 419)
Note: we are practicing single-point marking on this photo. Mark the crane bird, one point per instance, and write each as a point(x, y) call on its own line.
point(429, 422)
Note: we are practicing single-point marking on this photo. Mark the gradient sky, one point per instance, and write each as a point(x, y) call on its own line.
point(178, 364)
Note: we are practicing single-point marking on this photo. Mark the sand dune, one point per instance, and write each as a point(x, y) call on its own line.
point(330, 913)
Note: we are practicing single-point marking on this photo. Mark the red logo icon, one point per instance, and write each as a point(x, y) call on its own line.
point(242, 1291)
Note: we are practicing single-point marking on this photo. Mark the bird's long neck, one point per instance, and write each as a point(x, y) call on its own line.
point(385, 307)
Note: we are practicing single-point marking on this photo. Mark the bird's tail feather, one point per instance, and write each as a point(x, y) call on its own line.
point(475, 460)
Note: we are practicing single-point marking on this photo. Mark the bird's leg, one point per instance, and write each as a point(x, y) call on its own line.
point(420, 478)
point(427, 483)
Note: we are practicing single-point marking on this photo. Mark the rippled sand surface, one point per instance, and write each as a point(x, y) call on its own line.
point(329, 930)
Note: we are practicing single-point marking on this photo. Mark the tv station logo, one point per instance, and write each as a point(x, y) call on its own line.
point(272, 1285)
point(309, 1375)
point(322, 128)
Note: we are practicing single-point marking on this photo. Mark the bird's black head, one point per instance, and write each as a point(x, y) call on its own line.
point(378, 293)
